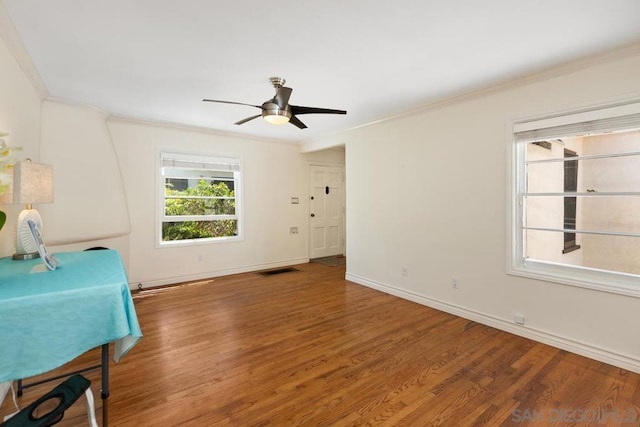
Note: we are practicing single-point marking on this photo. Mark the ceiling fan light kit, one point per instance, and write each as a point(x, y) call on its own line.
point(277, 110)
point(275, 115)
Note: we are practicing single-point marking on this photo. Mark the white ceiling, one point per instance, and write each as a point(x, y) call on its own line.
point(157, 59)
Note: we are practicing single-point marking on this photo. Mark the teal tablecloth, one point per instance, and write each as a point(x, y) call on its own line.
point(48, 318)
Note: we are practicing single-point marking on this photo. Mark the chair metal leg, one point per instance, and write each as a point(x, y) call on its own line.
point(91, 409)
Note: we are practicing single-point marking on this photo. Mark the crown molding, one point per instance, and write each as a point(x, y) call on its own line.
point(10, 35)
point(194, 128)
point(621, 52)
point(74, 104)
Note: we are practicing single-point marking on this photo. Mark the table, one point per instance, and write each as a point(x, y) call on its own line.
point(48, 318)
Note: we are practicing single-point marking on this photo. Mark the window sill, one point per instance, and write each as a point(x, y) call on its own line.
point(196, 242)
point(581, 277)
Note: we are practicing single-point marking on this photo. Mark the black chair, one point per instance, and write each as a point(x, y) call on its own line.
point(60, 398)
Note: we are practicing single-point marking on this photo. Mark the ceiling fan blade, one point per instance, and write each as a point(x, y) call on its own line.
point(231, 102)
point(247, 119)
point(282, 96)
point(295, 109)
point(296, 122)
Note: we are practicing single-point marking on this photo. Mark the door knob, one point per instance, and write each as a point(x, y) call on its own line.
point(312, 215)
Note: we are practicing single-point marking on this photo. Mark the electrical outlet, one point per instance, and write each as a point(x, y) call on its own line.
point(518, 318)
point(293, 230)
point(455, 283)
point(405, 271)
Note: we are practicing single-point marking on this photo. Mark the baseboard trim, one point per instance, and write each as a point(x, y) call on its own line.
point(587, 350)
point(218, 273)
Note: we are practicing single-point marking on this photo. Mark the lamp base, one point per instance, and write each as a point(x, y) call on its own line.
point(23, 257)
point(25, 243)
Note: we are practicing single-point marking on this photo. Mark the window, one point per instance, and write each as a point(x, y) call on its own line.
point(199, 198)
point(575, 211)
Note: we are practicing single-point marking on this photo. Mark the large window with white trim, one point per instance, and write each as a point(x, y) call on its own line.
point(199, 198)
point(575, 214)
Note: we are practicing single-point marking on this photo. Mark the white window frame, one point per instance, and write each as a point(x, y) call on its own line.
point(233, 163)
point(582, 122)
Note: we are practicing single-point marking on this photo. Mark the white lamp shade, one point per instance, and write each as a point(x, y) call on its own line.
point(32, 183)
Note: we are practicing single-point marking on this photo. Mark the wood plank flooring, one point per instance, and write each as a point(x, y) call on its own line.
point(308, 348)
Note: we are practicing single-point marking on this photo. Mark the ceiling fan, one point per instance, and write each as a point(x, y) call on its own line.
point(277, 110)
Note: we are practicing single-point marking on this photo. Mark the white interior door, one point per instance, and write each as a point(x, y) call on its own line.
point(327, 211)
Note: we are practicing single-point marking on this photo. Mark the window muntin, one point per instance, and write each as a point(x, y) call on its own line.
point(576, 216)
point(199, 198)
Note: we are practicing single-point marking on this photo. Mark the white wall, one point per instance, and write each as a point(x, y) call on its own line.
point(20, 117)
point(273, 173)
point(72, 138)
point(445, 170)
point(89, 206)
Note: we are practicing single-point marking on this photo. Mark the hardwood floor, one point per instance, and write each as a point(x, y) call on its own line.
point(309, 348)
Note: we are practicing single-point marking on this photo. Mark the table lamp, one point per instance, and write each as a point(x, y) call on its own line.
point(32, 183)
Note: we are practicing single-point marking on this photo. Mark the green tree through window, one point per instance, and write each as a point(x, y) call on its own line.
point(200, 198)
point(205, 199)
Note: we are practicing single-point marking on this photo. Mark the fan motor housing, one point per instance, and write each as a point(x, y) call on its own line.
point(273, 109)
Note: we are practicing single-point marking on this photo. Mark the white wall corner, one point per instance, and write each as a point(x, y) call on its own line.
point(89, 189)
point(10, 34)
point(311, 146)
